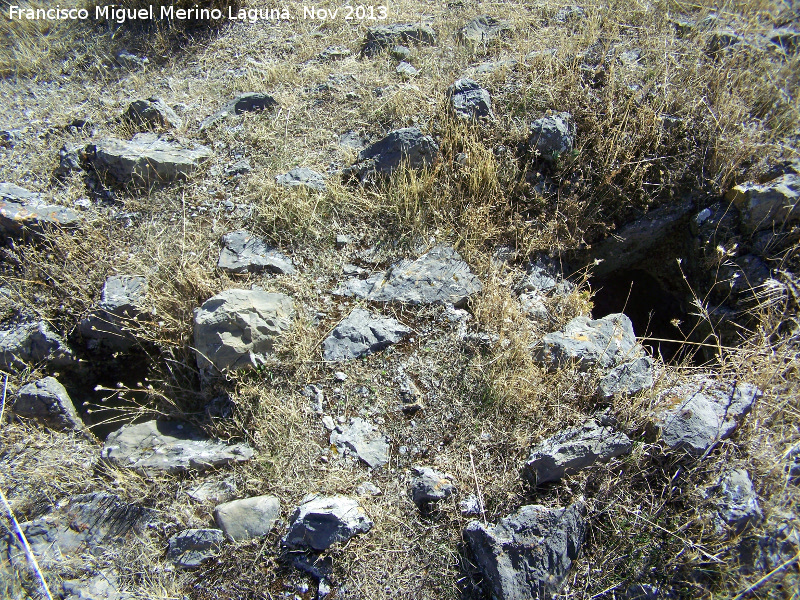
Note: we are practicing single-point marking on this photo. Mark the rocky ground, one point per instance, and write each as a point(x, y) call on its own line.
point(470, 302)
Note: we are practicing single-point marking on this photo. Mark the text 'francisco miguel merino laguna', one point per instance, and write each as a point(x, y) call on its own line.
point(120, 15)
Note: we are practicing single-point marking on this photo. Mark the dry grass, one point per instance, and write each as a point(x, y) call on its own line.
point(484, 404)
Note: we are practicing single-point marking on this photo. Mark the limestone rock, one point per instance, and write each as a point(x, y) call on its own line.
point(700, 412)
point(567, 14)
point(544, 277)
point(71, 158)
point(22, 210)
point(319, 522)
point(169, 446)
point(429, 486)
point(407, 147)
point(152, 113)
point(529, 553)
point(362, 333)
point(238, 328)
point(385, 36)
point(439, 276)
point(47, 400)
point(192, 547)
point(334, 53)
point(484, 30)
point(779, 544)
point(553, 136)
point(24, 341)
point(248, 518)
point(766, 206)
point(243, 103)
point(146, 159)
point(243, 253)
point(588, 343)
point(572, 450)
point(361, 439)
point(215, 492)
point(103, 586)
point(737, 503)
point(628, 378)
point(302, 177)
point(468, 100)
point(109, 325)
point(406, 70)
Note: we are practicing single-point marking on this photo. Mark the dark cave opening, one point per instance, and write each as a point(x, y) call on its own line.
point(653, 310)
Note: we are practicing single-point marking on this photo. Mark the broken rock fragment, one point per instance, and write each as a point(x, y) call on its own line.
point(302, 177)
point(572, 450)
point(319, 522)
point(468, 100)
point(109, 325)
point(48, 401)
point(429, 486)
point(403, 147)
point(243, 103)
point(192, 547)
point(22, 210)
point(362, 333)
point(152, 113)
point(243, 252)
point(248, 518)
point(360, 438)
point(24, 341)
point(385, 36)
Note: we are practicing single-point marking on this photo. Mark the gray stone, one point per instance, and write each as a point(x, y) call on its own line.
point(24, 211)
point(302, 176)
point(241, 167)
point(103, 586)
point(468, 100)
point(215, 492)
point(152, 113)
point(317, 397)
point(243, 103)
point(400, 52)
point(360, 438)
point(778, 545)
point(385, 36)
point(604, 343)
point(146, 159)
point(696, 414)
point(470, 506)
point(567, 14)
point(627, 378)
point(319, 522)
point(402, 147)
point(484, 30)
point(334, 53)
point(737, 502)
point(192, 547)
point(10, 137)
point(722, 40)
point(529, 553)
point(639, 591)
point(429, 486)
point(405, 69)
point(109, 326)
point(771, 205)
point(245, 253)
point(534, 307)
point(438, 277)
point(793, 464)
point(353, 139)
point(71, 158)
point(95, 523)
point(48, 401)
point(169, 446)
point(238, 328)
point(491, 67)
point(249, 518)
point(131, 61)
point(23, 342)
point(368, 489)
point(544, 276)
point(572, 450)
point(553, 136)
point(362, 333)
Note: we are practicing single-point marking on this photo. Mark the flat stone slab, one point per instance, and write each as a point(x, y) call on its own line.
point(191, 548)
point(22, 210)
point(169, 446)
point(248, 518)
point(243, 103)
point(145, 159)
point(238, 328)
point(439, 276)
point(403, 147)
point(572, 450)
point(360, 438)
point(48, 401)
point(468, 100)
point(319, 522)
point(484, 30)
point(302, 177)
point(93, 523)
point(362, 333)
point(243, 252)
point(22, 342)
point(587, 343)
point(697, 414)
point(773, 204)
point(109, 326)
point(529, 553)
point(385, 36)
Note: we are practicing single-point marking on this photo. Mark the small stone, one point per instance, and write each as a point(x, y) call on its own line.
point(408, 147)
point(737, 503)
point(131, 61)
point(23, 341)
point(328, 422)
point(368, 489)
point(191, 548)
point(429, 486)
point(319, 522)
point(340, 376)
point(470, 506)
point(567, 14)
point(152, 113)
point(767, 206)
point(484, 30)
point(241, 167)
point(405, 69)
point(249, 518)
point(215, 492)
point(111, 324)
point(302, 177)
point(552, 136)
point(332, 53)
point(317, 397)
point(385, 36)
point(362, 439)
point(470, 101)
point(47, 400)
point(243, 103)
point(627, 378)
point(572, 450)
point(362, 333)
point(243, 252)
point(23, 211)
point(400, 52)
